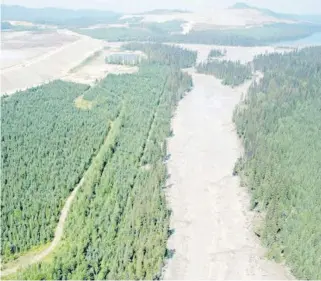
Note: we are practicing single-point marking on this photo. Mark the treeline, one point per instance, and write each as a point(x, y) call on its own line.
point(123, 59)
point(118, 225)
point(7, 26)
point(165, 54)
point(46, 145)
point(216, 53)
point(232, 73)
point(168, 32)
point(280, 125)
point(55, 16)
point(254, 36)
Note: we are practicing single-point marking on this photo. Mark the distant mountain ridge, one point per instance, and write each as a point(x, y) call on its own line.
point(316, 18)
point(164, 11)
point(56, 16)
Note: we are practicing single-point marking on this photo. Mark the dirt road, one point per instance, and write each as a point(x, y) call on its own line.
point(213, 237)
point(32, 258)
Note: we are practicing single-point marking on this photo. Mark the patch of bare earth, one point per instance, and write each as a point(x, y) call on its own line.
point(29, 59)
point(213, 235)
point(213, 18)
point(96, 69)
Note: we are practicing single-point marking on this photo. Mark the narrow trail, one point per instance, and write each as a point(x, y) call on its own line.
point(29, 259)
point(213, 237)
point(32, 258)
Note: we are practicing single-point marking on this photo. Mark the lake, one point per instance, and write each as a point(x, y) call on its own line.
point(314, 39)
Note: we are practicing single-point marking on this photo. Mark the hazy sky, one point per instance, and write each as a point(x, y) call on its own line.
point(290, 6)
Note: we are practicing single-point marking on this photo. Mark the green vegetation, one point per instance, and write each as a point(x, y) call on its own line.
point(279, 123)
point(137, 31)
point(118, 225)
point(46, 145)
point(231, 73)
point(215, 53)
point(7, 26)
point(253, 36)
point(165, 54)
point(56, 16)
point(121, 34)
point(163, 32)
point(155, 53)
point(124, 59)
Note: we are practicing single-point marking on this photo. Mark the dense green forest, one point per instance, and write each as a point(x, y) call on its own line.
point(154, 53)
point(43, 157)
point(260, 35)
point(215, 53)
point(280, 125)
point(161, 32)
point(165, 54)
point(232, 73)
point(124, 59)
point(118, 225)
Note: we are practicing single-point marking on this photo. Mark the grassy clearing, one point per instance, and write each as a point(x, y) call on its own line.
point(82, 103)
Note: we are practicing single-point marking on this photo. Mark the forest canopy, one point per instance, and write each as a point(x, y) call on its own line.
point(280, 125)
point(119, 214)
point(232, 73)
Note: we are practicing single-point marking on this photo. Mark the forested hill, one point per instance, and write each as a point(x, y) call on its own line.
point(280, 125)
point(57, 16)
point(119, 223)
point(252, 36)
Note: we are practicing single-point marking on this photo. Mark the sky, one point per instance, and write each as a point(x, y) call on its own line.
point(131, 6)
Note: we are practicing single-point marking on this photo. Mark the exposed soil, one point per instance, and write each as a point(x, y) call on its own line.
point(213, 235)
point(97, 68)
point(29, 62)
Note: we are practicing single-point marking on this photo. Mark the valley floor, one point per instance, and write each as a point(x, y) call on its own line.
point(213, 237)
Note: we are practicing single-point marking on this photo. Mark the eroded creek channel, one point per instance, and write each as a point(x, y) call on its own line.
point(213, 236)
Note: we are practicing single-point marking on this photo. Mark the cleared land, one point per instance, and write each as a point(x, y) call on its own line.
point(227, 18)
point(95, 68)
point(213, 236)
point(42, 57)
point(18, 47)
